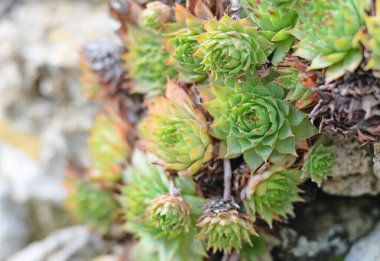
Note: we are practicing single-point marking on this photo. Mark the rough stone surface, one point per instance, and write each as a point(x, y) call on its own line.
point(41, 99)
point(353, 173)
point(367, 248)
point(325, 228)
point(376, 160)
point(72, 243)
point(14, 230)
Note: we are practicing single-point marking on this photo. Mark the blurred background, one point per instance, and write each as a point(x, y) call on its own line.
point(44, 123)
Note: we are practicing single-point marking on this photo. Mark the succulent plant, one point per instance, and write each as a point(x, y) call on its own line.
point(201, 82)
point(182, 36)
point(252, 118)
point(231, 48)
point(260, 248)
point(93, 205)
point(154, 16)
point(292, 80)
point(283, 4)
point(171, 213)
point(222, 227)
point(108, 149)
point(319, 162)
point(327, 32)
point(350, 106)
point(177, 132)
point(147, 62)
point(371, 39)
point(102, 67)
point(272, 193)
point(145, 182)
point(274, 24)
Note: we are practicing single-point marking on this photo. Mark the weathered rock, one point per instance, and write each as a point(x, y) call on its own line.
point(353, 172)
point(326, 228)
point(14, 230)
point(376, 160)
point(367, 248)
point(72, 243)
point(39, 57)
point(40, 97)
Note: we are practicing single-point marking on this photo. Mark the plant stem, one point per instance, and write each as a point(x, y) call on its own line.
point(173, 190)
point(225, 257)
point(227, 179)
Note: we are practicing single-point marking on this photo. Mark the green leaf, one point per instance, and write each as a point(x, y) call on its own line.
point(252, 159)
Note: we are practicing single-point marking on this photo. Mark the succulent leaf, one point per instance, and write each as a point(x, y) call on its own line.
point(260, 250)
point(182, 36)
point(319, 162)
point(283, 4)
point(177, 133)
point(108, 149)
point(252, 119)
point(224, 228)
point(231, 48)
point(272, 193)
point(147, 62)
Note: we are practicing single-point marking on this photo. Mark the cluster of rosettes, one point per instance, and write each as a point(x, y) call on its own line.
point(211, 88)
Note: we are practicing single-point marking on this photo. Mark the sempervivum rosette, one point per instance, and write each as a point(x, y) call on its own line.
point(171, 213)
point(253, 119)
point(231, 48)
point(182, 36)
point(93, 205)
point(108, 149)
point(223, 227)
point(154, 16)
point(144, 183)
point(147, 62)
point(177, 133)
point(274, 24)
point(327, 31)
point(272, 193)
point(319, 162)
point(293, 81)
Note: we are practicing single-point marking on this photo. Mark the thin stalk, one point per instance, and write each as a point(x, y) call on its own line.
point(173, 190)
point(227, 179)
point(225, 257)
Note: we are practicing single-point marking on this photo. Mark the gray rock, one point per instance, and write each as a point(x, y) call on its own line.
point(353, 173)
point(14, 230)
point(40, 95)
point(326, 229)
point(26, 179)
point(367, 248)
point(40, 54)
point(68, 244)
point(376, 160)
